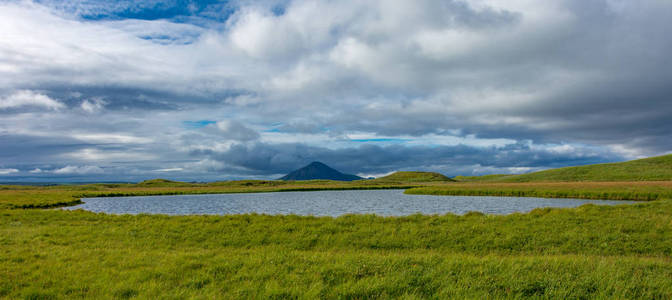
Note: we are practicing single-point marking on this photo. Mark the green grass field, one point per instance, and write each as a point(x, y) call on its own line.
point(618, 252)
point(591, 251)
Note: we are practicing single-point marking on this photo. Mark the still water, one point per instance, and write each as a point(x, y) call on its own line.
point(324, 203)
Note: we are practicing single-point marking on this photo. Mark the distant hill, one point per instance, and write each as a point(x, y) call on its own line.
point(408, 176)
point(160, 182)
point(318, 170)
point(653, 168)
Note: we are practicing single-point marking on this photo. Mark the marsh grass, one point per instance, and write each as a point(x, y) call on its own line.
point(586, 252)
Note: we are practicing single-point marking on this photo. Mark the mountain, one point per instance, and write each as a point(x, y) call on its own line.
point(318, 170)
point(647, 169)
point(408, 176)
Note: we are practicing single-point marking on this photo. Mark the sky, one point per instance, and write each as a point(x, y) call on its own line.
point(209, 90)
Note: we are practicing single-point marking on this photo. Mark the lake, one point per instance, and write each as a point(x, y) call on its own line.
point(324, 203)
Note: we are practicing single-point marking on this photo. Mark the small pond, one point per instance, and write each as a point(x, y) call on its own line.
point(324, 203)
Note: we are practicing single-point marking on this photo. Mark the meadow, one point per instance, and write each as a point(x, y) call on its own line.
point(618, 252)
point(591, 251)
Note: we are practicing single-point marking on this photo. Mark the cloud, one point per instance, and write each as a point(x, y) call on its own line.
point(169, 170)
point(110, 138)
point(84, 81)
point(93, 154)
point(233, 130)
point(24, 98)
point(8, 171)
point(81, 170)
point(93, 105)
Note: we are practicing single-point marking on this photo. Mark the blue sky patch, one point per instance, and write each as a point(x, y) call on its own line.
point(179, 11)
point(197, 124)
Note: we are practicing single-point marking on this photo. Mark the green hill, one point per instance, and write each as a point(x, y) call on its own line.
point(647, 169)
point(408, 176)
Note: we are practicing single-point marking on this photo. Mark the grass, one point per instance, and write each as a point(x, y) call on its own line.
point(619, 252)
point(587, 252)
point(647, 169)
point(633, 190)
point(483, 178)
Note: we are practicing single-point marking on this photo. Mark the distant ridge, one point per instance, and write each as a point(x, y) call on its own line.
point(318, 170)
point(160, 182)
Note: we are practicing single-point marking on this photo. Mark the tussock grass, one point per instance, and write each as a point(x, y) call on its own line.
point(588, 252)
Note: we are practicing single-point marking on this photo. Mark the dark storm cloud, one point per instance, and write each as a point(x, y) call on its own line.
point(22, 149)
point(267, 159)
point(228, 130)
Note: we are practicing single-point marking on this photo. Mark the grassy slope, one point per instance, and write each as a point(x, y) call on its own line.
point(409, 176)
point(654, 168)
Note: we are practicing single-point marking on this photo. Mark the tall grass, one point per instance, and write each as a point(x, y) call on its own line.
point(587, 252)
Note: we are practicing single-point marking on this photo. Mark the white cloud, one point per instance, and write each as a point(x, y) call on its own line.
point(78, 170)
point(23, 98)
point(93, 105)
point(92, 154)
point(111, 138)
point(169, 170)
point(35, 171)
point(375, 175)
point(8, 171)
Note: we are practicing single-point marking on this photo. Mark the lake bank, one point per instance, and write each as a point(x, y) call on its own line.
point(12, 197)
